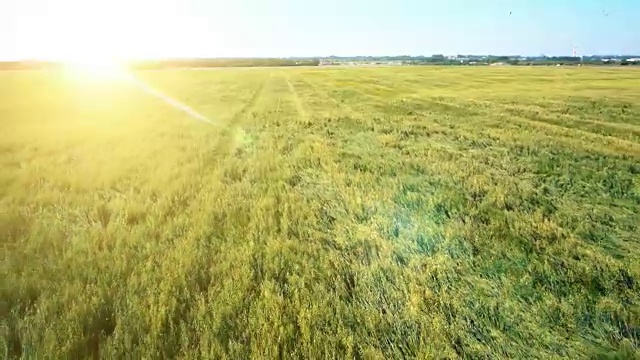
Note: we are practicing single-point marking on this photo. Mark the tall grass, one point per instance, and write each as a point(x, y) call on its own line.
point(361, 213)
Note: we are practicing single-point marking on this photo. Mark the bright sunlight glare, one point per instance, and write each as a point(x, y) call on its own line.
point(97, 68)
point(97, 34)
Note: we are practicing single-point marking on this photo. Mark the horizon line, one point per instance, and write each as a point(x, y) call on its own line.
point(311, 57)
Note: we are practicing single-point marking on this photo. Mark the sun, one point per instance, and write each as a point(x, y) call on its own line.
point(87, 59)
point(88, 36)
point(92, 61)
point(99, 36)
point(96, 63)
point(96, 52)
point(96, 67)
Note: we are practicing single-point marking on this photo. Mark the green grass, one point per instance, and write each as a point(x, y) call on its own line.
point(327, 213)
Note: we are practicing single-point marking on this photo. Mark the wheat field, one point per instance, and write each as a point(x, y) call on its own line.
point(374, 213)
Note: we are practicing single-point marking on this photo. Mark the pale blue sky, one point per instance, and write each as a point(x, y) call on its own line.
point(201, 28)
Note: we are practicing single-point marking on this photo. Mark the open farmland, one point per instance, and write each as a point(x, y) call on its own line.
point(324, 213)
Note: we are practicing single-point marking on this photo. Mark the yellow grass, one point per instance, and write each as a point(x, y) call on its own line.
point(360, 213)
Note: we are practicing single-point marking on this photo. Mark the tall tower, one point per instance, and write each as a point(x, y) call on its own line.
point(574, 53)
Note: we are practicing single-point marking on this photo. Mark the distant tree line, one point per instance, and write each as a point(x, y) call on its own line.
point(173, 63)
point(204, 63)
point(437, 59)
point(28, 65)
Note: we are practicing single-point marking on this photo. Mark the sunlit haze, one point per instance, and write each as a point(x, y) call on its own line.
point(91, 31)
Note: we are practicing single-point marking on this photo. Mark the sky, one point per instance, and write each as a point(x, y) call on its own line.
point(69, 29)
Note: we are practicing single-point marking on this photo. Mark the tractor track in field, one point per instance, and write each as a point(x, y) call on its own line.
point(250, 104)
point(232, 131)
point(325, 94)
point(296, 99)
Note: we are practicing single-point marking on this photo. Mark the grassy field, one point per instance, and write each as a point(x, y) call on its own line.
point(326, 213)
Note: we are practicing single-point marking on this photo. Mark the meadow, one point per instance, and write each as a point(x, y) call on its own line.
point(369, 213)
